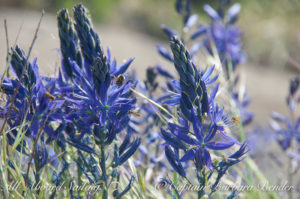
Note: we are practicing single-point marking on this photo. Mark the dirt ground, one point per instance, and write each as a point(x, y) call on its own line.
point(267, 86)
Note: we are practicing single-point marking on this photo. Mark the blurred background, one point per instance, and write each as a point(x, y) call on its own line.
point(271, 35)
point(131, 28)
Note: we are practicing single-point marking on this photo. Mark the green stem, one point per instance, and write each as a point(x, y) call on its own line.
point(102, 164)
point(290, 173)
point(290, 177)
point(79, 173)
point(200, 193)
point(201, 177)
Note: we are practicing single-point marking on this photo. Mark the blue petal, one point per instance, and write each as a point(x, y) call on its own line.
point(173, 161)
point(172, 140)
point(164, 52)
point(204, 98)
point(297, 124)
point(208, 73)
point(108, 55)
point(278, 117)
point(207, 159)
point(239, 153)
point(130, 151)
point(123, 67)
point(192, 20)
point(169, 31)
point(125, 142)
point(233, 12)
point(176, 84)
point(195, 48)
point(172, 102)
point(81, 146)
point(231, 139)
point(184, 129)
point(113, 66)
point(197, 129)
point(185, 137)
point(164, 72)
point(211, 12)
point(200, 31)
point(189, 155)
point(185, 110)
point(115, 94)
point(212, 80)
point(219, 145)
point(212, 133)
point(213, 93)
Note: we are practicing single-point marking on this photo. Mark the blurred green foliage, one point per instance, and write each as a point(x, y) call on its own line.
point(100, 9)
point(270, 26)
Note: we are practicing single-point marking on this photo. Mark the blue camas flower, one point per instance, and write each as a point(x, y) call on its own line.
point(221, 33)
point(89, 40)
point(98, 100)
point(43, 156)
point(193, 88)
point(101, 102)
point(91, 95)
point(69, 43)
point(199, 109)
point(287, 129)
point(33, 102)
point(197, 143)
point(94, 98)
point(224, 35)
point(223, 166)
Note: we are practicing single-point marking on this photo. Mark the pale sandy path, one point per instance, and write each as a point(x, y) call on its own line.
point(267, 87)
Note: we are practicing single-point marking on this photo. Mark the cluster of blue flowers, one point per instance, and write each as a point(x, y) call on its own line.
point(287, 128)
point(89, 111)
point(197, 107)
point(287, 133)
point(219, 38)
point(85, 106)
point(193, 95)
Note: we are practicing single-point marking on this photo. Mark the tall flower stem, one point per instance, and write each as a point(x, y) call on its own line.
point(35, 146)
point(290, 172)
point(79, 172)
point(102, 163)
point(290, 177)
point(201, 180)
